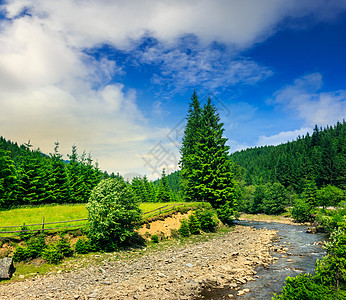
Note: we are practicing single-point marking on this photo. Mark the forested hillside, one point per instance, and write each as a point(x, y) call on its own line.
point(320, 157)
point(29, 177)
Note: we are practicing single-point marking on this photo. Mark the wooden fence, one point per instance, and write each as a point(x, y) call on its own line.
point(42, 225)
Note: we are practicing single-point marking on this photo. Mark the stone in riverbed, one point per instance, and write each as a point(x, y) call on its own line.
point(6, 268)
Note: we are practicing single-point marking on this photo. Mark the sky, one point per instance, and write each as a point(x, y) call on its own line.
point(115, 78)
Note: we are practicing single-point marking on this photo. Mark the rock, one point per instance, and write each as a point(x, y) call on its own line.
point(312, 230)
point(189, 265)
point(6, 268)
point(289, 260)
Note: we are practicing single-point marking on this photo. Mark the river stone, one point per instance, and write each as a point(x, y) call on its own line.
point(6, 268)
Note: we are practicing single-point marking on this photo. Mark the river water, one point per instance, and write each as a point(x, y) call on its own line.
point(302, 250)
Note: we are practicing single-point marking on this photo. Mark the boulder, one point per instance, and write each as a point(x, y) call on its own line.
point(6, 268)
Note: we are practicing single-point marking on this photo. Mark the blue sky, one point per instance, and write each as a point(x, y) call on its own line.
point(115, 77)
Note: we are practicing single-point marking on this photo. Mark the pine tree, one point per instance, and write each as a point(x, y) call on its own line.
point(8, 180)
point(163, 192)
point(75, 178)
point(188, 149)
point(206, 167)
point(58, 182)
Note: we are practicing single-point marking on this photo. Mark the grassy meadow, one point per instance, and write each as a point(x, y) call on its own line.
point(54, 213)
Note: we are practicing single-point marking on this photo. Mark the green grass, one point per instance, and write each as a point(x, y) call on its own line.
point(54, 213)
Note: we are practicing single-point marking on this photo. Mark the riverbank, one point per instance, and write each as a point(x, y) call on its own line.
point(173, 270)
point(270, 218)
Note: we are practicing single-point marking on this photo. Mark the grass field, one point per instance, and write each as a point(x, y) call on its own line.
point(54, 213)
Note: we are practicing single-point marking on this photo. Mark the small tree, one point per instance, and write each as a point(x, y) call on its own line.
point(114, 213)
point(184, 228)
point(194, 224)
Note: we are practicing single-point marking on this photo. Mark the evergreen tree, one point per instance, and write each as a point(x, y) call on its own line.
point(76, 182)
point(59, 188)
point(188, 149)
point(163, 192)
point(206, 167)
point(8, 180)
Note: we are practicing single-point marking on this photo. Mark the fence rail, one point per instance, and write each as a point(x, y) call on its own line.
point(159, 210)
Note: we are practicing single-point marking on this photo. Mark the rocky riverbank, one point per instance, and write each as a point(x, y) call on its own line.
point(179, 271)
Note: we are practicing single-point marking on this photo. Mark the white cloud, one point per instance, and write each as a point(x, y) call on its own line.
point(282, 137)
point(303, 100)
point(50, 88)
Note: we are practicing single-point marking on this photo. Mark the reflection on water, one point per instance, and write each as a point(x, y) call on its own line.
point(302, 250)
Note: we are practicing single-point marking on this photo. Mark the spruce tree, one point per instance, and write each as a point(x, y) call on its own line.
point(59, 187)
point(206, 168)
point(8, 180)
point(188, 149)
point(163, 192)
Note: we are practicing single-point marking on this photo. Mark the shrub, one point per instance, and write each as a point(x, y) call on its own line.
point(82, 246)
point(194, 225)
point(25, 235)
point(64, 246)
point(21, 253)
point(52, 254)
point(155, 238)
point(301, 211)
point(207, 219)
point(114, 214)
point(226, 213)
point(36, 246)
point(184, 228)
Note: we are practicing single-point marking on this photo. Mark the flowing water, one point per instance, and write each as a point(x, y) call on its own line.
point(302, 250)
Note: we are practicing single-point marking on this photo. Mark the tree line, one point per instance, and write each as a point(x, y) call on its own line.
point(29, 177)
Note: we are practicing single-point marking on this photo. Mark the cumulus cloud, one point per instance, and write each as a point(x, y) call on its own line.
point(303, 100)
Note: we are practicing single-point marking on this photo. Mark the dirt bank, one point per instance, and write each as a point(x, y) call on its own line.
point(179, 271)
point(270, 218)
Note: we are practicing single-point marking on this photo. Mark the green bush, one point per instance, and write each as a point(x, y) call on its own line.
point(207, 219)
point(36, 246)
point(64, 246)
point(154, 238)
point(25, 235)
point(21, 254)
point(114, 214)
point(194, 225)
point(301, 211)
point(226, 213)
point(304, 287)
point(82, 246)
point(184, 230)
point(52, 254)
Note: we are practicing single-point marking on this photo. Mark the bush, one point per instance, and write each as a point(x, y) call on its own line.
point(36, 246)
point(226, 213)
point(154, 238)
point(64, 246)
point(301, 211)
point(184, 228)
point(207, 219)
point(21, 253)
point(194, 225)
point(304, 287)
point(114, 214)
point(25, 235)
point(82, 246)
point(52, 254)
point(275, 199)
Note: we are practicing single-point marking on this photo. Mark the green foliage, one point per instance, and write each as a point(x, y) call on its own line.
point(206, 170)
point(184, 229)
point(330, 196)
point(207, 219)
point(301, 211)
point(52, 254)
point(305, 287)
point(226, 213)
point(275, 199)
point(155, 238)
point(194, 224)
point(163, 191)
point(64, 246)
point(21, 253)
point(320, 158)
point(114, 214)
point(34, 249)
point(82, 246)
point(25, 235)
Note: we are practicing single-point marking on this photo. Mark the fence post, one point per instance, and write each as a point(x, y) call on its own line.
point(43, 224)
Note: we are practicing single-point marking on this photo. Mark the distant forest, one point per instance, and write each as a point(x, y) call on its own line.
point(303, 167)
